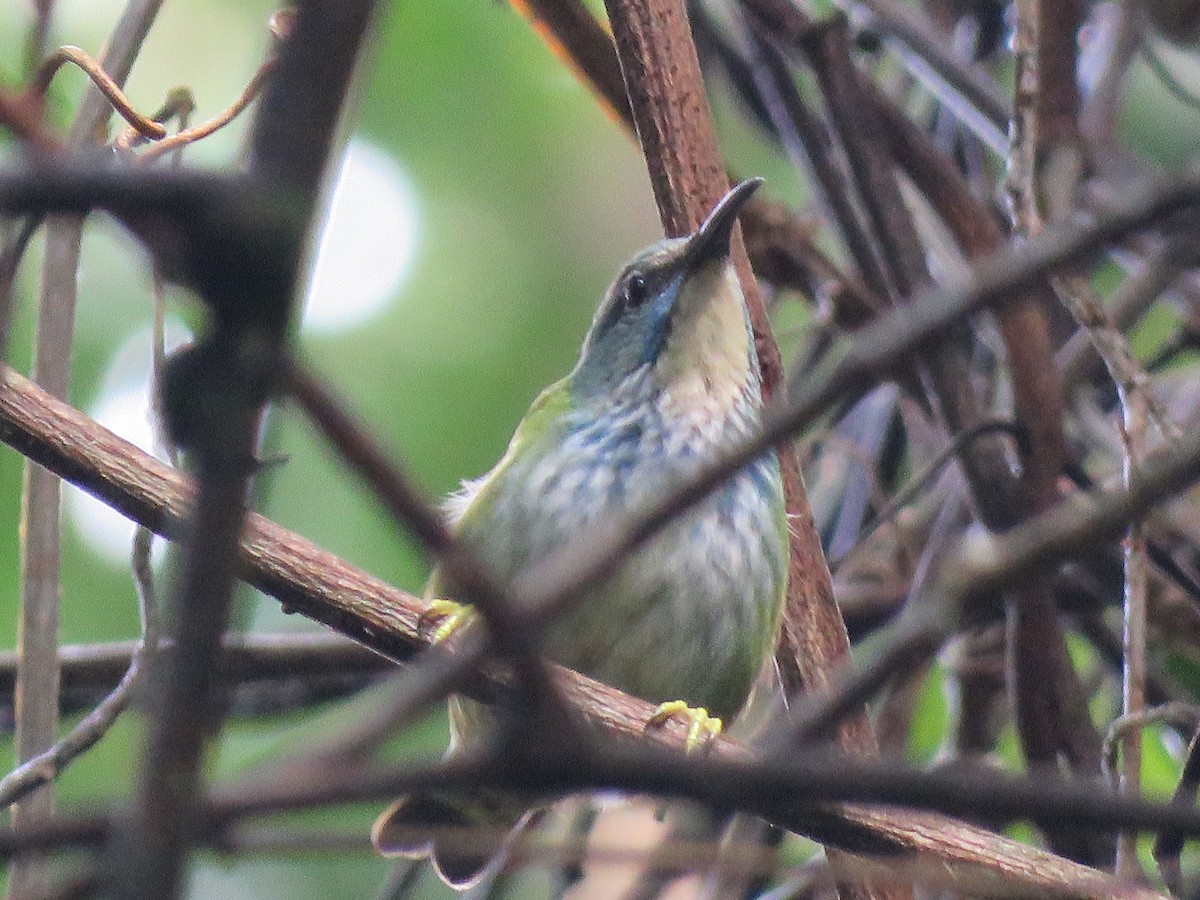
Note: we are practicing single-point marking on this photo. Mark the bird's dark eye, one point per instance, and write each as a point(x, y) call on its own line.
point(636, 289)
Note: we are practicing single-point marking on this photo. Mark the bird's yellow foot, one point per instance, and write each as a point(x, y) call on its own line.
point(445, 617)
point(703, 729)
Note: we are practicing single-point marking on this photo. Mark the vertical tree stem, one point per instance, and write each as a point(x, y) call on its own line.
point(687, 172)
point(38, 672)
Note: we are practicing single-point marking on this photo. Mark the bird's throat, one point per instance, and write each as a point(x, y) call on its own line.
point(706, 371)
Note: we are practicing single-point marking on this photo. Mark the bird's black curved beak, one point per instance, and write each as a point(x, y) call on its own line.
point(711, 240)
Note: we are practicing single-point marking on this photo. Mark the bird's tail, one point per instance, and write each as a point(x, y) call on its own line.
point(460, 837)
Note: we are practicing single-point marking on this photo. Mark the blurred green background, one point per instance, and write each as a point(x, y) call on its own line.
point(482, 207)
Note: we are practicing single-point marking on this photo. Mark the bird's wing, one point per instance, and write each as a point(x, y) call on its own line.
point(471, 508)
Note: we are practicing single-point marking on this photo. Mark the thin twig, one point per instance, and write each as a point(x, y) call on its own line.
point(961, 85)
point(871, 171)
point(91, 118)
point(109, 86)
point(514, 637)
point(1135, 409)
point(244, 658)
point(1168, 846)
point(179, 104)
point(190, 135)
point(124, 45)
point(91, 728)
point(1159, 268)
point(1177, 714)
point(805, 138)
point(913, 486)
point(1161, 687)
point(1163, 72)
point(1113, 348)
point(35, 43)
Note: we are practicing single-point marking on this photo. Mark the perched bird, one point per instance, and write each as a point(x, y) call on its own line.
point(666, 382)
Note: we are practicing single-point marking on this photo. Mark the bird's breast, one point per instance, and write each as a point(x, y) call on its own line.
point(690, 615)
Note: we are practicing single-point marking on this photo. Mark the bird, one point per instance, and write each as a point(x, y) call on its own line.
point(667, 382)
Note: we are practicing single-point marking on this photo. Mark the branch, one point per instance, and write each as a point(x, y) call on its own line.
point(41, 535)
point(576, 38)
point(190, 135)
point(514, 638)
point(779, 244)
point(94, 112)
point(675, 129)
point(314, 583)
point(309, 667)
point(46, 766)
point(38, 677)
point(813, 791)
point(778, 789)
point(873, 351)
point(666, 93)
point(213, 394)
point(964, 87)
point(101, 80)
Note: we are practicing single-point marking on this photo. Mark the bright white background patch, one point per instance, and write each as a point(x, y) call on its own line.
point(367, 242)
point(123, 407)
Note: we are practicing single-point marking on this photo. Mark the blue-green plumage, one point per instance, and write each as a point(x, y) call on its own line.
point(667, 381)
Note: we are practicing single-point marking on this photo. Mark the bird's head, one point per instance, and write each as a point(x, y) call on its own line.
point(673, 323)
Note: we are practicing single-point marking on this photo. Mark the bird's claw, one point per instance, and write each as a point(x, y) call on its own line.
point(703, 729)
point(445, 617)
